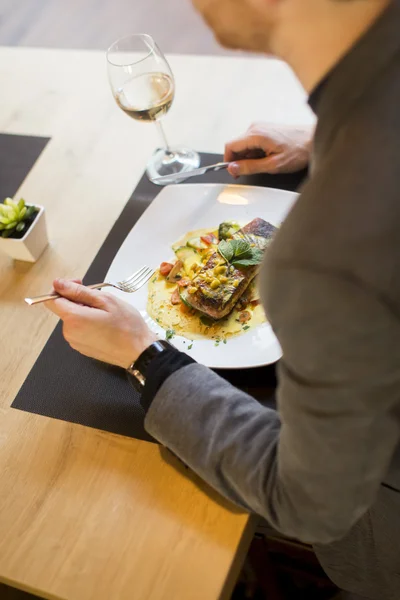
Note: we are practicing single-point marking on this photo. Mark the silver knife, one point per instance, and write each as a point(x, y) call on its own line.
point(175, 177)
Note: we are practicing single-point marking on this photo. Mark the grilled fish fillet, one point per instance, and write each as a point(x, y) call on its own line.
point(219, 302)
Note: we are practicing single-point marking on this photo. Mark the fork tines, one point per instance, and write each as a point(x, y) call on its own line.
point(137, 280)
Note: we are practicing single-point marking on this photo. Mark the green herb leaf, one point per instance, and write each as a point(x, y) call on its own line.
point(246, 327)
point(245, 262)
point(240, 248)
point(169, 334)
point(191, 346)
point(240, 253)
point(226, 251)
point(257, 254)
point(255, 259)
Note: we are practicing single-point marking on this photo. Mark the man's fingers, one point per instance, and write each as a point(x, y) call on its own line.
point(74, 280)
point(270, 164)
point(79, 294)
point(62, 307)
point(255, 145)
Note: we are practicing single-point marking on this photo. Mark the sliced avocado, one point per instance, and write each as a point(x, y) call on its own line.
point(189, 256)
point(183, 293)
point(184, 252)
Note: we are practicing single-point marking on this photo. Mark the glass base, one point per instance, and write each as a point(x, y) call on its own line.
point(176, 160)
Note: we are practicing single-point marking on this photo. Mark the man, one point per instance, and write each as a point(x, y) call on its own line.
point(326, 468)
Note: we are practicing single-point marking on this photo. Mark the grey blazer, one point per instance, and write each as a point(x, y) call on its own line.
point(325, 468)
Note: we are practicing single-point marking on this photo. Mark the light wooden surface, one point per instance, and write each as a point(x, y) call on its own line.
point(86, 515)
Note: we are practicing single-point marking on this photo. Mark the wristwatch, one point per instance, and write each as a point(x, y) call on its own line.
point(138, 369)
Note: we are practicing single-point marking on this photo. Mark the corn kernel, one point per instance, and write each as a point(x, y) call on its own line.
point(214, 284)
point(192, 289)
point(223, 279)
point(236, 283)
point(220, 270)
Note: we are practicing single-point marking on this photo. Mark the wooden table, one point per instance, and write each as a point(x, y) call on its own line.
point(85, 514)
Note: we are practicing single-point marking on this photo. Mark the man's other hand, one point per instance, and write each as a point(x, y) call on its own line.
point(267, 148)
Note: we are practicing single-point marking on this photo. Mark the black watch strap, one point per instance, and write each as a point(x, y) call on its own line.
point(138, 369)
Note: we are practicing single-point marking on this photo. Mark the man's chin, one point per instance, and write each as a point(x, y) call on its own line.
point(231, 41)
point(228, 41)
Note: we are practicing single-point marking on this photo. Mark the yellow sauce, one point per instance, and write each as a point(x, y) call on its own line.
point(192, 326)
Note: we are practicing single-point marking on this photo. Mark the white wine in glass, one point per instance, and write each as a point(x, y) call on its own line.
point(143, 87)
point(146, 97)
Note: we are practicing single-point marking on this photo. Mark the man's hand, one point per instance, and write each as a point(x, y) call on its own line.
point(269, 149)
point(100, 325)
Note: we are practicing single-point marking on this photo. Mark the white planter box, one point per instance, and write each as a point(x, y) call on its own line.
point(31, 246)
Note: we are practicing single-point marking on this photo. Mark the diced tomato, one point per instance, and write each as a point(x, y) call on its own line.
point(183, 282)
point(255, 303)
point(208, 239)
point(175, 297)
point(244, 316)
point(165, 268)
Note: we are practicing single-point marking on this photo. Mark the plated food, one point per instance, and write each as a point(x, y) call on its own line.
point(199, 208)
point(210, 287)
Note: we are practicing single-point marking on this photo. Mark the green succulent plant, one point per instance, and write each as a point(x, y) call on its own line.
point(14, 216)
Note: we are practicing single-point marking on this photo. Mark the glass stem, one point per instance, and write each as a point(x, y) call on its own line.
point(163, 137)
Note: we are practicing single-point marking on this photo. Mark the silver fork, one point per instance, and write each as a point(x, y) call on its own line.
point(128, 285)
point(246, 237)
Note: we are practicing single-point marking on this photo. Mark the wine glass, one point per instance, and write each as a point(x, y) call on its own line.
point(143, 86)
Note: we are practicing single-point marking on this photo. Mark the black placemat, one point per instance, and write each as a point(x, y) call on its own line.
point(65, 385)
point(18, 154)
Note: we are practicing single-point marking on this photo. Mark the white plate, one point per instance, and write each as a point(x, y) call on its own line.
point(181, 208)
